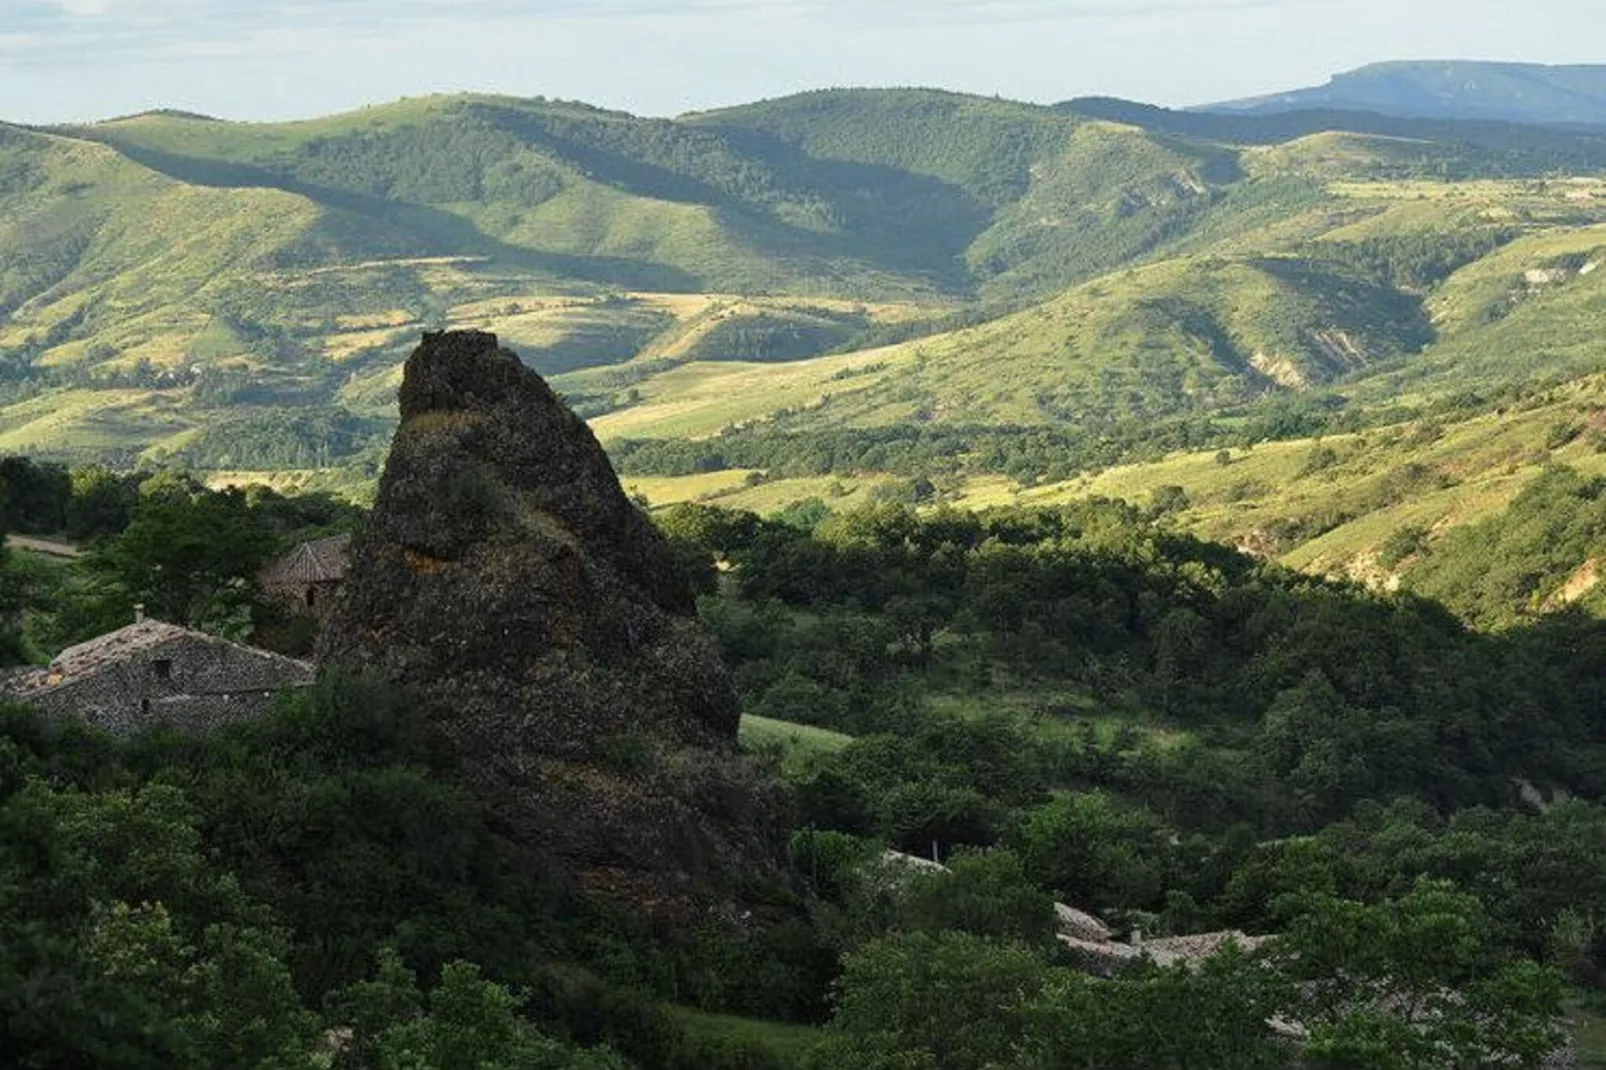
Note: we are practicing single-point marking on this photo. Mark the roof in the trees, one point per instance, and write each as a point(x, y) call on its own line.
point(249, 668)
point(319, 561)
point(1080, 924)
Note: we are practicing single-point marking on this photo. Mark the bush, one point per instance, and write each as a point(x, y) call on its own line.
point(1404, 542)
point(1561, 433)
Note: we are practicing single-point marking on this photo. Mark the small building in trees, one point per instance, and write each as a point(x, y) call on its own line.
point(153, 673)
point(1101, 954)
point(308, 576)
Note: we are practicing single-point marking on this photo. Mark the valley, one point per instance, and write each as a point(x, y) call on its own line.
point(237, 299)
point(970, 581)
point(750, 305)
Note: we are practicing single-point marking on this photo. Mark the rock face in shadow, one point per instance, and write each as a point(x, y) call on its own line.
point(506, 578)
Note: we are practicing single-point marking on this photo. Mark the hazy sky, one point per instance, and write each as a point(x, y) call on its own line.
point(77, 59)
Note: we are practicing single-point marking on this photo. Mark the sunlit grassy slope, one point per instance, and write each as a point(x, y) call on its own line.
point(1184, 334)
point(240, 297)
point(1329, 505)
point(1199, 332)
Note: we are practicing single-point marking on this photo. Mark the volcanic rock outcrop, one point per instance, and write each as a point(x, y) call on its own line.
point(506, 579)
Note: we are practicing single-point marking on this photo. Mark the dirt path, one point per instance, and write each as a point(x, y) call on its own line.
point(42, 546)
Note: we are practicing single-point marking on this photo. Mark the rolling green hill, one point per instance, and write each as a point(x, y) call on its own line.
point(840, 294)
point(1376, 290)
point(1500, 512)
point(1186, 334)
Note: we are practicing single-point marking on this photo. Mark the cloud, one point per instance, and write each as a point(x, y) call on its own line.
point(61, 36)
point(1036, 10)
point(154, 23)
point(84, 7)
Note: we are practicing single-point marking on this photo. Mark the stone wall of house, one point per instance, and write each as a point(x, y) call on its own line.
point(193, 683)
point(188, 713)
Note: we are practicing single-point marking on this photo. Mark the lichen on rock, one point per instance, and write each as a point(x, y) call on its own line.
point(507, 579)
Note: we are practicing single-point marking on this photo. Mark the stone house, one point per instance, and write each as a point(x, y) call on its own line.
point(1096, 949)
point(1105, 956)
point(307, 577)
point(152, 673)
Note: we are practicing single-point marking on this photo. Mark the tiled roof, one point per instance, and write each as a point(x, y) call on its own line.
point(259, 668)
point(913, 861)
point(319, 561)
point(1104, 949)
point(1165, 951)
point(108, 649)
point(1168, 950)
point(1080, 924)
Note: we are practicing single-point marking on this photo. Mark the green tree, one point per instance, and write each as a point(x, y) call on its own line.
point(189, 557)
point(1413, 984)
point(18, 592)
point(224, 1000)
point(102, 503)
point(985, 893)
point(1095, 851)
point(34, 496)
point(1209, 1016)
point(121, 946)
point(917, 815)
point(948, 1000)
point(464, 1023)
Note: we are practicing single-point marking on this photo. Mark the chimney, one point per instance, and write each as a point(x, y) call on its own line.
point(1137, 937)
point(139, 612)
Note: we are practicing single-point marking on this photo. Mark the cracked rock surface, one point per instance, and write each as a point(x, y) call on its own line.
point(506, 579)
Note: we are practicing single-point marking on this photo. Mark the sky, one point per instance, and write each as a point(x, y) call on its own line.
point(67, 60)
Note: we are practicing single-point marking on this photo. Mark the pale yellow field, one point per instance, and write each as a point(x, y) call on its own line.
point(395, 317)
point(838, 492)
point(731, 489)
point(697, 400)
point(672, 490)
point(341, 347)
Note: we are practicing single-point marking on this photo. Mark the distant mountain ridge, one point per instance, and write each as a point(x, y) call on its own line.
point(1539, 94)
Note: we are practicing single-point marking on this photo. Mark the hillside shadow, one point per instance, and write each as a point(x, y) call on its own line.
point(889, 218)
point(447, 234)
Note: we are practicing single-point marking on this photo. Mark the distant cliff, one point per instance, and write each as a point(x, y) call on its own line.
point(1454, 89)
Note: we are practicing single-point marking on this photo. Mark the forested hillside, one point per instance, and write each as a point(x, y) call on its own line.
point(839, 295)
point(1070, 705)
